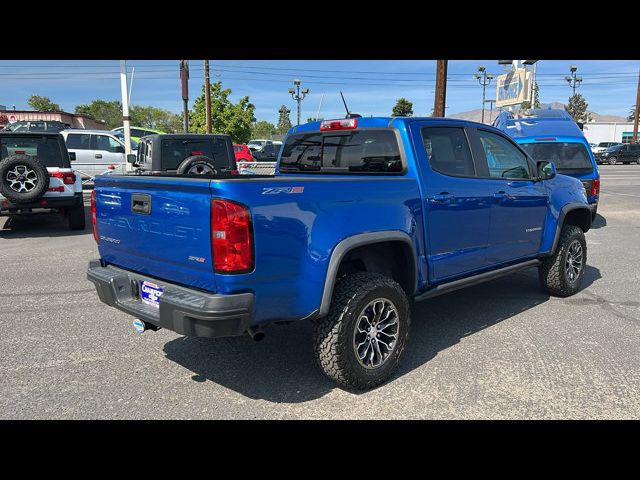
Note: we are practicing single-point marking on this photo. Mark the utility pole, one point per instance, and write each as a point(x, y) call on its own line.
point(573, 80)
point(635, 118)
point(490, 102)
point(184, 87)
point(441, 88)
point(298, 95)
point(484, 79)
point(126, 120)
point(207, 95)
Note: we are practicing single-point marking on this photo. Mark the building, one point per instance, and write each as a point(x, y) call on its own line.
point(74, 120)
point(597, 132)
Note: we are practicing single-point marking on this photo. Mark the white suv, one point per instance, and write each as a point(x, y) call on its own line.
point(36, 177)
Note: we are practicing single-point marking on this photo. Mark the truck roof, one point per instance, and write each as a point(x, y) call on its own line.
point(390, 122)
point(538, 123)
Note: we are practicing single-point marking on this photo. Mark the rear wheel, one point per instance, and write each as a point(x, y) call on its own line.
point(360, 342)
point(561, 273)
point(612, 160)
point(76, 218)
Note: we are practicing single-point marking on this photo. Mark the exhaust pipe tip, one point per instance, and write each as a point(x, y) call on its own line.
point(256, 333)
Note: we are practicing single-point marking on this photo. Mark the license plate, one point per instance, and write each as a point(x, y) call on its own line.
point(150, 293)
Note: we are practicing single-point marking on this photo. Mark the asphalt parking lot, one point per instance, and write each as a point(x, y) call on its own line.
point(503, 349)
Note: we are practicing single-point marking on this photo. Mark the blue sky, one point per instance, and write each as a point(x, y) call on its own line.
point(371, 87)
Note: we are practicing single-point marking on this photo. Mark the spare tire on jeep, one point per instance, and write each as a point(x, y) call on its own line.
point(23, 179)
point(197, 165)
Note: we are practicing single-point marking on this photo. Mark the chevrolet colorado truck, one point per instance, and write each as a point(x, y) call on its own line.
point(362, 217)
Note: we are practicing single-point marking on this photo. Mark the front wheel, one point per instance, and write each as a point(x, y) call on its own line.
point(359, 343)
point(561, 273)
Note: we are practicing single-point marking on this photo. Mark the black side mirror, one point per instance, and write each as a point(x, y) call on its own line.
point(72, 156)
point(546, 170)
point(132, 158)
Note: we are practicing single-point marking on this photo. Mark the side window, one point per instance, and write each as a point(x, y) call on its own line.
point(78, 141)
point(448, 151)
point(503, 158)
point(107, 144)
point(137, 133)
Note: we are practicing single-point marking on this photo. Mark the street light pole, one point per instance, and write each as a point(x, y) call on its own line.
point(573, 80)
point(298, 95)
point(490, 102)
point(484, 79)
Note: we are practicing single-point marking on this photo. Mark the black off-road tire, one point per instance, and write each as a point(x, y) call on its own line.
point(552, 273)
point(196, 162)
point(334, 334)
point(12, 162)
point(76, 218)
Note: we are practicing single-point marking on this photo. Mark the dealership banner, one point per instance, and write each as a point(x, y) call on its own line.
point(512, 88)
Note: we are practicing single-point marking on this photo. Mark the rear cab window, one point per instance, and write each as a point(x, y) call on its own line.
point(48, 149)
point(175, 150)
point(565, 155)
point(366, 151)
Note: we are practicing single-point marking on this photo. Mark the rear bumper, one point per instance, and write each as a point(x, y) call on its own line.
point(45, 204)
point(183, 310)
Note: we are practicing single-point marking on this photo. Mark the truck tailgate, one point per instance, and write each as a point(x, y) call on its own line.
point(158, 227)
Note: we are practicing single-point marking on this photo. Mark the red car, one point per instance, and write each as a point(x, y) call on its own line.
point(243, 154)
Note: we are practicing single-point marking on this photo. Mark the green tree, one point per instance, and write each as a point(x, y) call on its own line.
point(263, 129)
point(234, 119)
point(525, 105)
point(42, 104)
point(284, 122)
point(403, 108)
point(632, 114)
point(577, 108)
point(155, 118)
point(536, 96)
point(109, 112)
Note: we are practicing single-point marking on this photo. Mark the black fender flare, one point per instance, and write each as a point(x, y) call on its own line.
point(348, 244)
point(570, 207)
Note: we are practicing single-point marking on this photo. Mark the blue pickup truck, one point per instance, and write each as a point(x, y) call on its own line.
point(362, 217)
point(553, 135)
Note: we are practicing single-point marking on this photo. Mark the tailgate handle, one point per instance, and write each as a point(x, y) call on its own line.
point(141, 203)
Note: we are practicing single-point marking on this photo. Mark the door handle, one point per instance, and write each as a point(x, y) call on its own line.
point(442, 197)
point(501, 195)
point(98, 155)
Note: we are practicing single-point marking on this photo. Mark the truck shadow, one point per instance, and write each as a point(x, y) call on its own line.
point(282, 368)
point(45, 225)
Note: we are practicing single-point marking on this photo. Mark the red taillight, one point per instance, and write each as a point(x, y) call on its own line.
point(68, 178)
point(94, 221)
point(197, 153)
point(234, 172)
point(231, 237)
point(343, 124)
point(595, 187)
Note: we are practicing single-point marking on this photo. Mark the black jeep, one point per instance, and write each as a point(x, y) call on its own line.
point(185, 154)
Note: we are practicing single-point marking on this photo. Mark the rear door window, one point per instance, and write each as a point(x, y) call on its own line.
point(79, 141)
point(360, 151)
point(448, 151)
